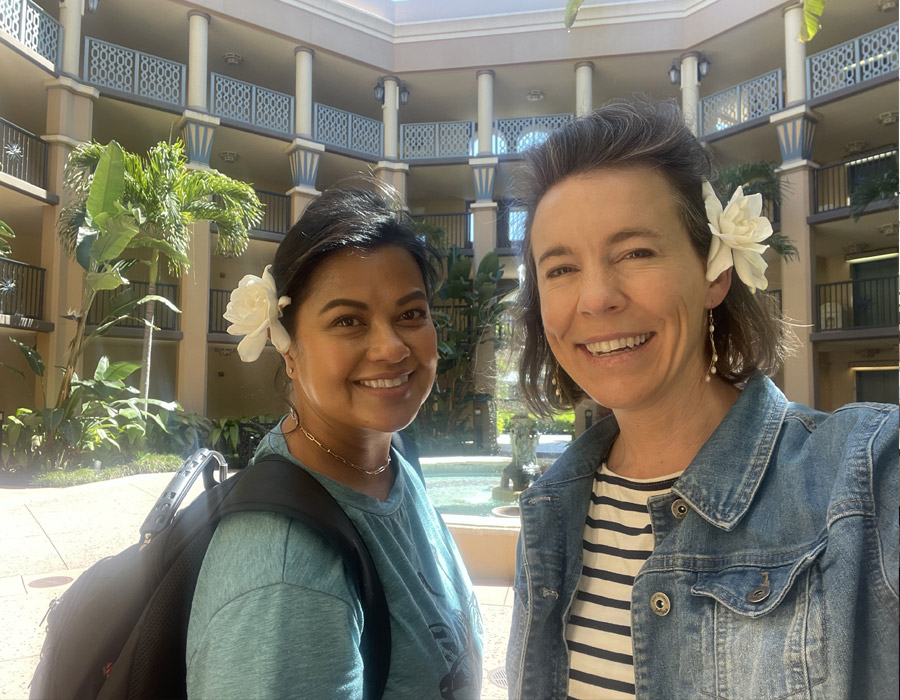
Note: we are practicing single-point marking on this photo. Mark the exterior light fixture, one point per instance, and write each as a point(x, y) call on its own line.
point(703, 67)
point(854, 147)
point(887, 5)
point(404, 94)
point(674, 73)
point(887, 118)
point(229, 156)
point(865, 256)
point(379, 90)
point(233, 59)
point(534, 95)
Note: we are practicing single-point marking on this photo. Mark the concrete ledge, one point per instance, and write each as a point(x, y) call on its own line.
point(487, 546)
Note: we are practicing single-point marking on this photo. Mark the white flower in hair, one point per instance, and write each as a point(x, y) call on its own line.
point(254, 309)
point(738, 231)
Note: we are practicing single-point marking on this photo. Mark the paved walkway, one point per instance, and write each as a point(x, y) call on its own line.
point(49, 536)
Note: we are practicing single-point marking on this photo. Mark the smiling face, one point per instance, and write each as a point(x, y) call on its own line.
point(364, 352)
point(623, 293)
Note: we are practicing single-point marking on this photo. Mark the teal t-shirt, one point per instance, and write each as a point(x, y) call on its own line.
point(276, 616)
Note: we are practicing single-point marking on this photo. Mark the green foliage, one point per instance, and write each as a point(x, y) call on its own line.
point(466, 310)
point(812, 13)
point(558, 424)
point(572, 7)
point(145, 464)
point(757, 178)
point(883, 186)
point(5, 233)
point(237, 438)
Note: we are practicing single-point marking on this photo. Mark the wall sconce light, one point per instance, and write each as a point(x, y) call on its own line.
point(674, 73)
point(379, 90)
point(229, 156)
point(534, 95)
point(703, 67)
point(865, 256)
point(233, 59)
point(404, 94)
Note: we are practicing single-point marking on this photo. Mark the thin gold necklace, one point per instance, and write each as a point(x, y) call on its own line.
point(312, 438)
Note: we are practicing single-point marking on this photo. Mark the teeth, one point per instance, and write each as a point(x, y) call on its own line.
point(608, 346)
point(385, 383)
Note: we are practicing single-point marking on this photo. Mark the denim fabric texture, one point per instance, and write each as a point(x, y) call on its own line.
point(781, 581)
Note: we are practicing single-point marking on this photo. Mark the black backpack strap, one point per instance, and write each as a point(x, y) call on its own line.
point(275, 484)
point(405, 446)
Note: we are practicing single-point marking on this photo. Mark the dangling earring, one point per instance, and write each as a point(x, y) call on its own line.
point(711, 370)
point(555, 382)
point(293, 414)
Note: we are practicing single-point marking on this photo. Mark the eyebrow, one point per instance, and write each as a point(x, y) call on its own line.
point(617, 237)
point(362, 306)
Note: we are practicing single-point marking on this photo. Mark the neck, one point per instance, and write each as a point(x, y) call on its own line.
point(665, 439)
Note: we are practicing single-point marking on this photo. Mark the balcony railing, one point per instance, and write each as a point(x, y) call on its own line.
point(352, 132)
point(251, 104)
point(23, 155)
point(31, 25)
point(21, 289)
point(454, 226)
point(858, 304)
point(133, 72)
point(218, 302)
point(833, 184)
point(436, 140)
point(741, 103)
point(852, 62)
point(276, 212)
point(521, 133)
point(164, 318)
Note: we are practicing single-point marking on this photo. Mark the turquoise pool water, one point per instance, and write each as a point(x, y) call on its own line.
point(464, 494)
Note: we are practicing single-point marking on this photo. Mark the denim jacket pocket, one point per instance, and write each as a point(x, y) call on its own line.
point(762, 629)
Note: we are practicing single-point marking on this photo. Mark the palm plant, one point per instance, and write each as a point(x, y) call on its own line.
point(757, 178)
point(171, 196)
point(7, 233)
point(882, 186)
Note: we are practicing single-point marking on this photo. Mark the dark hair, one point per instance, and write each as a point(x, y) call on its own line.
point(750, 336)
point(339, 219)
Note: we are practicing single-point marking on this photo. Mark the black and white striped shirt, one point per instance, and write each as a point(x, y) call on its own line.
point(617, 541)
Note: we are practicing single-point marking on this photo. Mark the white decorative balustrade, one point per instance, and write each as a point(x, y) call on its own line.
point(521, 133)
point(336, 127)
point(436, 140)
point(31, 25)
point(133, 72)
point(852, 62)
point(251, 104)
point(754, 98)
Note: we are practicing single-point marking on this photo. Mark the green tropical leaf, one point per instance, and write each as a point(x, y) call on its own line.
point(812, 13)
point(32, 357)
point(162, 300)
point(164, 247)
point(97, 281)
point(108, 184)
point(572, 7)
point(5, 232)
point(117, 234)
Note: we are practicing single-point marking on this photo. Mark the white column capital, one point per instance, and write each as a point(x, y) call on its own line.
point(197, 13)
point(64, 82)
point(484, 71)
point(304, 49)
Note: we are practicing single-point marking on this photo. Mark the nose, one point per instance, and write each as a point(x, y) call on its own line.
point(600, 292)
point(387, 345)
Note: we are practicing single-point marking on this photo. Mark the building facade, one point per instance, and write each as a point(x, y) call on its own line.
point(296, 95)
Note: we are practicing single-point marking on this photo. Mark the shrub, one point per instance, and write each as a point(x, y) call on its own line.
point(146, 464)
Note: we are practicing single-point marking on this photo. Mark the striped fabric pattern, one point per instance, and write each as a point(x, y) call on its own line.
point(617, 541)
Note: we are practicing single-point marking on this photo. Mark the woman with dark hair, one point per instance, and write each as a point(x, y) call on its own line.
point(709, 538)
point(275, 614)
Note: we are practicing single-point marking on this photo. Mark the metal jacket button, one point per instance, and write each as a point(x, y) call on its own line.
point(761, 592)
point(660, 604)
point(680, 508)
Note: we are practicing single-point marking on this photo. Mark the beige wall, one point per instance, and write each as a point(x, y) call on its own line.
point(226, 273)
point(837, 382)
point(239, 389)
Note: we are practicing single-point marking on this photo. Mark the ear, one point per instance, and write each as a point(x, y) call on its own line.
point(718, 289)
point(290, 364)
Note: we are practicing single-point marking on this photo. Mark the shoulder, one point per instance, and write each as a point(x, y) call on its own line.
point(250, 551)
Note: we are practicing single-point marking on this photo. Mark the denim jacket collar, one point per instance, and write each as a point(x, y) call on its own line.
point(723, 478)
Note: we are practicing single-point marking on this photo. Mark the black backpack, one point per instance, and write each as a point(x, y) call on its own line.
point(120, 631)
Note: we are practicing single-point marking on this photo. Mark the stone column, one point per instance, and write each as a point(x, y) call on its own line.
point(485, 80)
point(70, 13)
point(794, 56)
point(796, 128)
point(70, 112)
point(390, 117)
point(304, 156)
point(484, 208)
point(198, 69)
point(584, 88)
point(191, 363)
point(394, 174)
point(690, 91)
point(303, 117)
point(197, 131)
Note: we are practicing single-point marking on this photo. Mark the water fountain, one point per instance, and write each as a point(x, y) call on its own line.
point(523, 468)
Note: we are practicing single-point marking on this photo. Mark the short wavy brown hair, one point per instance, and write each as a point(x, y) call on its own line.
point(750, 334)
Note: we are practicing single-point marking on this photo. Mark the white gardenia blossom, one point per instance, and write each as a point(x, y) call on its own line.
point(254, 309)
point(738, 231)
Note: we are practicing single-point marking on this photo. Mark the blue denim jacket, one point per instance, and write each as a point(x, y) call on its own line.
point(780, 582)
